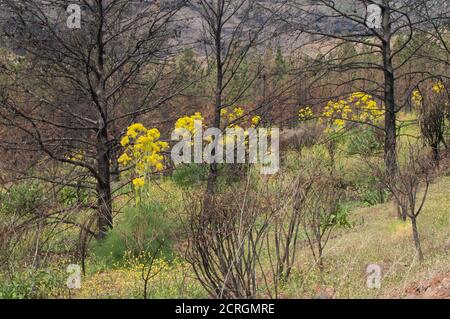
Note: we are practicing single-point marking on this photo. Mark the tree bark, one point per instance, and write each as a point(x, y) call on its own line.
point(320, 258)
point(416, 238)
point(390, 146)
point(213, 172)
point(436, 153)
point(104, 202)
point(115, 169)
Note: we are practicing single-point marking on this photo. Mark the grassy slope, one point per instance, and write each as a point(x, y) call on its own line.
point(379, 238)
point(376, 237)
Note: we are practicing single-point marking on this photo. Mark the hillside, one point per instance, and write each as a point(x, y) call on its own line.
point(376, 237)
point(224, 150)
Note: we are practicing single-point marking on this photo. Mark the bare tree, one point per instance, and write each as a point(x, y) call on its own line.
point(322, 214)
point(78, 89)
point(229, 246)
point(232, 29)
point(285, 231)
point(414, 176)
point(225, 244)
point(373, 65)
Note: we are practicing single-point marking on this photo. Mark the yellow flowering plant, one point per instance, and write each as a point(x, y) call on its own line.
point(168, 279)
point(438, 87)
point(238, 118)
point(359, 107)
point(143, 151)
point(186, 125)
point(305, 114)
point(234, 118)
point(417, 97)
point(188, 122)
point(256, 120)
point(78, 156)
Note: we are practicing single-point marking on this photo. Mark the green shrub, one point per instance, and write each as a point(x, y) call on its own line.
point(373, 196)
point(33, 284)
point(363, 186)
point(307, 159)
point(364, 141)
point(339, 218)
point(70, 196)
point(142, 229)
point(190, 175)
point(22, 198)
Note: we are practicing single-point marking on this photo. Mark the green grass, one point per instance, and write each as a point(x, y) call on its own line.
point(376, 237)
point(379, 238)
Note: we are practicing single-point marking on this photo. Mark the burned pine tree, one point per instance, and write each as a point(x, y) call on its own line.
point(80, 86)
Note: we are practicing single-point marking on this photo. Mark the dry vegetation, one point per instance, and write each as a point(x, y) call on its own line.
point(87, 177)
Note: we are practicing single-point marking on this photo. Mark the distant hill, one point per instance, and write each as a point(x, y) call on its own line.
point(189, 28)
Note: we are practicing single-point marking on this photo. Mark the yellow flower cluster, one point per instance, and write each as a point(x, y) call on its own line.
point(438, 87)
point(77, 157)
point(365, 108)
point(188, 122)
point(125, 280)
point(338, 112)
point(358, 107)
point(305, 113)
point(138, 182)
point(234, 118)
point(417, 97)
point(231, 116)
point(256, 120)
point(143, 150)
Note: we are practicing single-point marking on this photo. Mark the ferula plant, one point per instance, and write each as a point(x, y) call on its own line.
point(359, 107)
point(142, 151)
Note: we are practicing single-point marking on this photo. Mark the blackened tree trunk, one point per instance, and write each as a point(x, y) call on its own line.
point(320, 258)
point(104, 202)
point(229, 43)
point(212, 178)
point(390, 145)
point(114, 159)
point(436, 153)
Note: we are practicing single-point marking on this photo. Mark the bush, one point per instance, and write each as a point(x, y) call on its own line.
point(308, 159)
point(306, 135)
point(22, 198)
point(365, 187)
point(34, 284)
point(143, 229)
point(373, 196)
point(70, 196)
point(190, 175)
point(364, 141)
point(324, 211)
